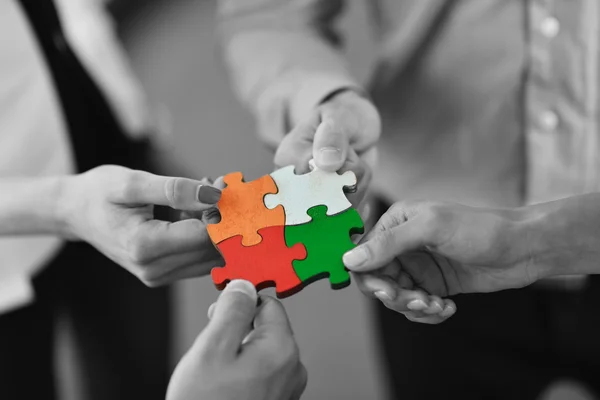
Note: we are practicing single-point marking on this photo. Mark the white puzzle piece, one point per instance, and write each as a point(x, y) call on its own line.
point(298, 193)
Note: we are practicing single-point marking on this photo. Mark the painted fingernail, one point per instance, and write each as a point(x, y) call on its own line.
point(355, 258)
point(330, 155)
point(208, 194)
point(383, 296)
point(416, 305)
point(242, 286)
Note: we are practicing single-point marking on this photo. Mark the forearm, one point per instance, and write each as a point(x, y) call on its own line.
point(29, 206)
point(563, 237)
point(284, 58)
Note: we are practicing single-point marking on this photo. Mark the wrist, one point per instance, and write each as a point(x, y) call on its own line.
point(61, 210)
point(550, 236)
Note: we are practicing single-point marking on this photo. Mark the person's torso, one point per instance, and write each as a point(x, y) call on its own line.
point(487, 102)
point(68, 101)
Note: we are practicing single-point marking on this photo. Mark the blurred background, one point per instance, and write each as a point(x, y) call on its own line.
point(173, 48)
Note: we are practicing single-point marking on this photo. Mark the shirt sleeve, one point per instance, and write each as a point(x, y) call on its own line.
point(284, 58)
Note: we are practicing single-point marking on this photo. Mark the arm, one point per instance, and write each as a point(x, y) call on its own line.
point(419, 252)
point(285, 62)
point(111, 208)
point(247, 352)
point(29, 206)
point(284, 58)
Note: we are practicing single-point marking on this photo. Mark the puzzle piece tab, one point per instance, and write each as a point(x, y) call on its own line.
point(267, 264)
point(243, 211)
point(326, 238)
point(298, 193)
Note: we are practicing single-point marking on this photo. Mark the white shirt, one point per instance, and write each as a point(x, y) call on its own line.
point(33, 136)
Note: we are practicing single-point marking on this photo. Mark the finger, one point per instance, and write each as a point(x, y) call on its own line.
point(375, 286)
point(233, 314)
point(436, 305)
point(428, 319)
point(211, 310)
point(331, 144)
point(449, 309)
point(178, 193)
point(302, 382)
point(378, 249)
point(154, 239)
point(272, 316)
point(296, 148)
point(174, 267)
point(406, 301)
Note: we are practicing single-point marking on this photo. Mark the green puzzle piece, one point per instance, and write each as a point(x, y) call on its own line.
point(326, 238)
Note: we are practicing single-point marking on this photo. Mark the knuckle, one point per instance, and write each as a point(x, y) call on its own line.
point(284, 354)
point(172, 194)
point(139, 251)
point(125, 188)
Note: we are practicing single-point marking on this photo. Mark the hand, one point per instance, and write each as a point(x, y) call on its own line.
point(111, 208)
point(340, 135)
point(419, 252)
point(245, 353)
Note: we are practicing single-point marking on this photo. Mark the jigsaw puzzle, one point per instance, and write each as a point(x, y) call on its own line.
point(326, 238)
point(285, 230)
point(298, 193)
point(242, 210)
point(266, 264)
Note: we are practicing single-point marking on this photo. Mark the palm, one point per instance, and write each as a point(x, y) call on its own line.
point(442, 275)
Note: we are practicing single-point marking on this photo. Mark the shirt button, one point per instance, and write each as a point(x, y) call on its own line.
point(550, 27)
point(549, 120)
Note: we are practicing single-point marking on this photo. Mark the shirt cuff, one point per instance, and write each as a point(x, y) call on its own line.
point(15, 292)
point(313, 91)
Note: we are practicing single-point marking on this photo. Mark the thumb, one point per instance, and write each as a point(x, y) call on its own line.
point(381, 246)
point(296, 148)
point(272, 315)
point(178, 193)
point(330, 146)
point(232, 317)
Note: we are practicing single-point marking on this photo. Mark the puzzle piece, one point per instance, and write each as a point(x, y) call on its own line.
point(243, 211)
point(326, 238)
point(269, 263)
point(298, 193)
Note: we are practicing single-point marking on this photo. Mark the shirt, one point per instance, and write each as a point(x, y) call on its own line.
point(487, 102)
point(33, 133)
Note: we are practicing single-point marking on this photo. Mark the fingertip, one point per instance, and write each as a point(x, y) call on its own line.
point(241, 286)
point(211, 310)
point(449, 309)
point(356, 259)
point(207, 194)
point(436, 306)
point(329, 158)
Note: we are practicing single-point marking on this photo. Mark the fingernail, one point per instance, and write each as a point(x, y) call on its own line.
point(416, 305)
point(242, 286)
point(330, 155)
point(211, 310)
point(383, 296)
point(355, 258)
point(208, 194)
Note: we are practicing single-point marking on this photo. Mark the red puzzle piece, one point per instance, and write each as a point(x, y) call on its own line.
point(266, 264)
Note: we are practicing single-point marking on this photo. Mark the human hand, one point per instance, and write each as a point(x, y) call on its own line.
point(111, 208)
point(419, 252)
point(245, 353)
point(340, 135)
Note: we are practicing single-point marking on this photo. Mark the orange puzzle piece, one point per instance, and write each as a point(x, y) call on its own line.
point(266, 264)
point(243, 211)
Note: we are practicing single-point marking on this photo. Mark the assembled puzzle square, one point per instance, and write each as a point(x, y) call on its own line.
point(285, 230)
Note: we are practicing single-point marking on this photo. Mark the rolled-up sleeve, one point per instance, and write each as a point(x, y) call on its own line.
point(284, 58)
